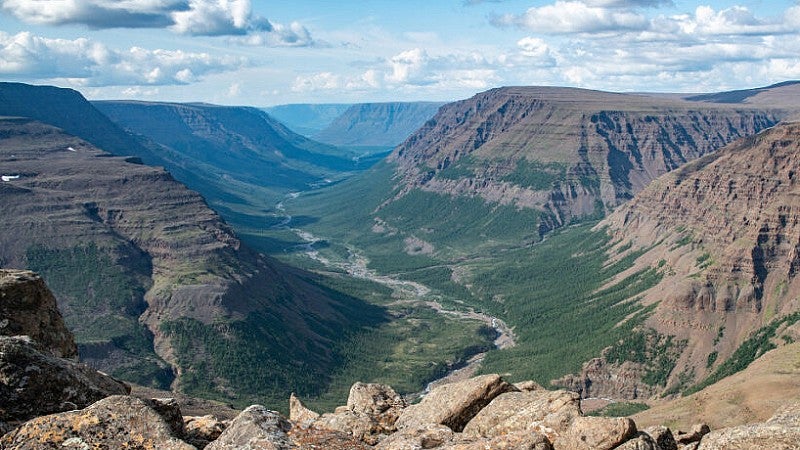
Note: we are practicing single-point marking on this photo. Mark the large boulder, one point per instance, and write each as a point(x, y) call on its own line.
point(513, 441)
point(547, 412)
point(454, 404)
point(596, 433)
point(35, 383)
point(781, 432)
point(27, 307)
point(378, 401)
point(255, 428)
point(112, 423)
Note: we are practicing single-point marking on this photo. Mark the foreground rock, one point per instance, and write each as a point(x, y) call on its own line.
point(540, 411)
point(781, 432)
point(116, 422)
point(455, 404)
point(34, 383)
point(371, 412)
point(596, 433)
point(27, 307)
point(255, 428)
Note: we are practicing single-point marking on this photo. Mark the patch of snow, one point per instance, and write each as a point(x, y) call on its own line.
point(9, 177)
point(71, 149)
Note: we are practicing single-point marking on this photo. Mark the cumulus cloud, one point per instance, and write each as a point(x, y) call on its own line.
point(187, 17)
point(87, 63)
point(565, 17)
point(410, 69)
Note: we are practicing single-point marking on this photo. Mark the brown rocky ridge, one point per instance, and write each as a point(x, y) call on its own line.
point(723, 231)
point(567, 152)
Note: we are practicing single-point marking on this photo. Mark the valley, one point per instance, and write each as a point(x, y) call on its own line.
point(548, 234)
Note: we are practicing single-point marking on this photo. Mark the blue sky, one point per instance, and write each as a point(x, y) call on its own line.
point(265, 53)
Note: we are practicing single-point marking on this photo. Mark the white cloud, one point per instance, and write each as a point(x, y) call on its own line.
point(564, 17)
point(187, 17)
point(412, 69)
point(88, 63)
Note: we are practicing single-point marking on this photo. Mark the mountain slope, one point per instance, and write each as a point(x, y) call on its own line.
point(724, 232)
point(153, 283)
point(240, 159)
point(566, 152)
point(377, 124)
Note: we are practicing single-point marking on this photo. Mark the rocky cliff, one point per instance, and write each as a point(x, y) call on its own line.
point(567, 152)
point(724, 232)
point(145, 273)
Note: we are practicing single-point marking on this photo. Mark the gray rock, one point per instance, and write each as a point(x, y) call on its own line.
point(454, 404)
point(255, 428)
point(596, 433)
point(547, 412)
point(27, 307)
point(115, 422)
point(781, 432)
point(34, 383)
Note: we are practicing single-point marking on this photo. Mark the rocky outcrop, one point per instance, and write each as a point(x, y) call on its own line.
point(781, 432)
point(114, 422)
point(599, 378)
point(513, 420)
point(33, 382)
point(27, 307)
point(455, 404)
point(257, 428)
point(371, 412)
point(541, 411)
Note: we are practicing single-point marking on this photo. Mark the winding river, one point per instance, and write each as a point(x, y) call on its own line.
point(407, 292)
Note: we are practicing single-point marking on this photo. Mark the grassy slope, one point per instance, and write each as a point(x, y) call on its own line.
point(749, 396)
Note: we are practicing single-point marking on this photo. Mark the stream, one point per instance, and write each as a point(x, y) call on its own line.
point(409, 292)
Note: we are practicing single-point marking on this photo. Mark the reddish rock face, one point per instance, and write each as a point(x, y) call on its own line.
point(596, 146)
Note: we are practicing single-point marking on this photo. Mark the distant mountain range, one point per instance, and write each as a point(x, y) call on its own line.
point(359, 125)
point(307, 118)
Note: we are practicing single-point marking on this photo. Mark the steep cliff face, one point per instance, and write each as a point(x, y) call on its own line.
point(377, 124)
point(567, 152)
point(725, 232)
point(145, 272)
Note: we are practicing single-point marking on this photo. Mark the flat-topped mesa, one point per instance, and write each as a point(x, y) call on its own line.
point(27, 307)
point(567, 152)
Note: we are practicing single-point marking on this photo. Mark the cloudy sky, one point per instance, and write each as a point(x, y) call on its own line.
point(321, 51)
